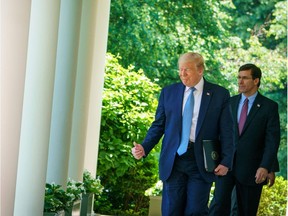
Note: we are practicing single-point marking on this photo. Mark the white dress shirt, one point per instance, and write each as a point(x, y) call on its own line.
point(197, 101)
point(250, 103)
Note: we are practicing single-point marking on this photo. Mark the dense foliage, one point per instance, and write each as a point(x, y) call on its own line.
point(274, 199)
point(258, 18)
point(91, 185)
point(55, 198)
point(151, 34)
point(129, 103)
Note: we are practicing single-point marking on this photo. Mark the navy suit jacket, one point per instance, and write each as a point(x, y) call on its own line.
point(258, 144)
point(214, 123)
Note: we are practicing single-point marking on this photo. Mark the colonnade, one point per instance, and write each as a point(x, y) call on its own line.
point(52, 73)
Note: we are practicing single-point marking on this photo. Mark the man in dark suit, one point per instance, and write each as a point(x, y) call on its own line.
point(256, 147)
point(186, 184)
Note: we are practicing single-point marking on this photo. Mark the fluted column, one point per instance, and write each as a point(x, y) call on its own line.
point(96, 86)
point(63, 99)
point(37, 106)
point(88, 88)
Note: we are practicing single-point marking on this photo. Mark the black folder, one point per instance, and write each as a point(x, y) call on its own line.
point(212, 152)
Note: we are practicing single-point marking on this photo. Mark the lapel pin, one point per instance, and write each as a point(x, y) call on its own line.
point(258, 105)
point(208, 93)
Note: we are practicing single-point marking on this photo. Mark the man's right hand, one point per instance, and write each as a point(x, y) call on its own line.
point(138, 151)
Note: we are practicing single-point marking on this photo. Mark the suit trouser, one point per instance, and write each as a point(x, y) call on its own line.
point(221, 202)
point(185, 192)
point(248, 197)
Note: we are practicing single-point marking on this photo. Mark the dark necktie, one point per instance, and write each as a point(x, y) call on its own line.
point(186, 123)
point(243, 116)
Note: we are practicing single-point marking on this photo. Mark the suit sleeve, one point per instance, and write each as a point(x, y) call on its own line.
point(226, 133)
point(157, 128)
point(272, 138)
point(275, 166)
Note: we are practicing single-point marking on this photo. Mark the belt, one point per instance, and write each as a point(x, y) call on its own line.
point(190, 145)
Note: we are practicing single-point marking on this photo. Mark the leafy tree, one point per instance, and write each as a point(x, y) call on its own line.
point(253, 18)
point(151, 34)
point(128, 108)
point(278, 28)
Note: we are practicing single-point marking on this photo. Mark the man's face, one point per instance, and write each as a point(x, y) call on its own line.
point(189, 73)
point(246, 84)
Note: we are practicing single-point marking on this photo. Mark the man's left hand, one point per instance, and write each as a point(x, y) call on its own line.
point(221, 170)
point(271, 179)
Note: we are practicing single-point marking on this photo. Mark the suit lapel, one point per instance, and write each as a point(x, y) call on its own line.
point(254, 109)
point(179, 100)
point(206, 97)
point(234, 107)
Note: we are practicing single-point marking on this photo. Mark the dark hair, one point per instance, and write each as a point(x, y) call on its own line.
point(255, 71)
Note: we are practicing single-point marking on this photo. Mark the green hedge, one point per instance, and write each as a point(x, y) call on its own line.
point(128, 108)
point(274, 199)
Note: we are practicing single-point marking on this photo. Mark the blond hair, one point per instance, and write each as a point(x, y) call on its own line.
point(192, 57)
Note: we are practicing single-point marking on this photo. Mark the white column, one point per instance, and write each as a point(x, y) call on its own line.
point(37, 104)
point(66, 65)
point(82, 141)
point(96, 86)
point(80, 106)
point(14, 39)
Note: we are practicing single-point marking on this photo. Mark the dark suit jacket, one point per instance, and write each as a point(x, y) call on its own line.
point(258, 144)
point(214, 123)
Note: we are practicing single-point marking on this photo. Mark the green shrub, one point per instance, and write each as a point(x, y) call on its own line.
point(55, 198)
point(74, 191)
point(274, 199)
point(91, 184)
point(128, 108)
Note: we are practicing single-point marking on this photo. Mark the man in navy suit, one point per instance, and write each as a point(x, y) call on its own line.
point(186, 184)
point(256, 147)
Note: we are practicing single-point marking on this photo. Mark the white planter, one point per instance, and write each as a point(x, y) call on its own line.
point(155, 205)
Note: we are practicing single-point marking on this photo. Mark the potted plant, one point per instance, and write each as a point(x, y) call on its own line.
point(92, 187)
point(155, 195)
point(74, 192)
point(54, 200)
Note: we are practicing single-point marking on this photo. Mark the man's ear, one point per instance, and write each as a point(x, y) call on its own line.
point(256, 81)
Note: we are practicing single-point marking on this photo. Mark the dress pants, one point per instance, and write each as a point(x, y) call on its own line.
point(221, 202)
point(185, 193)
point(248, 197)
